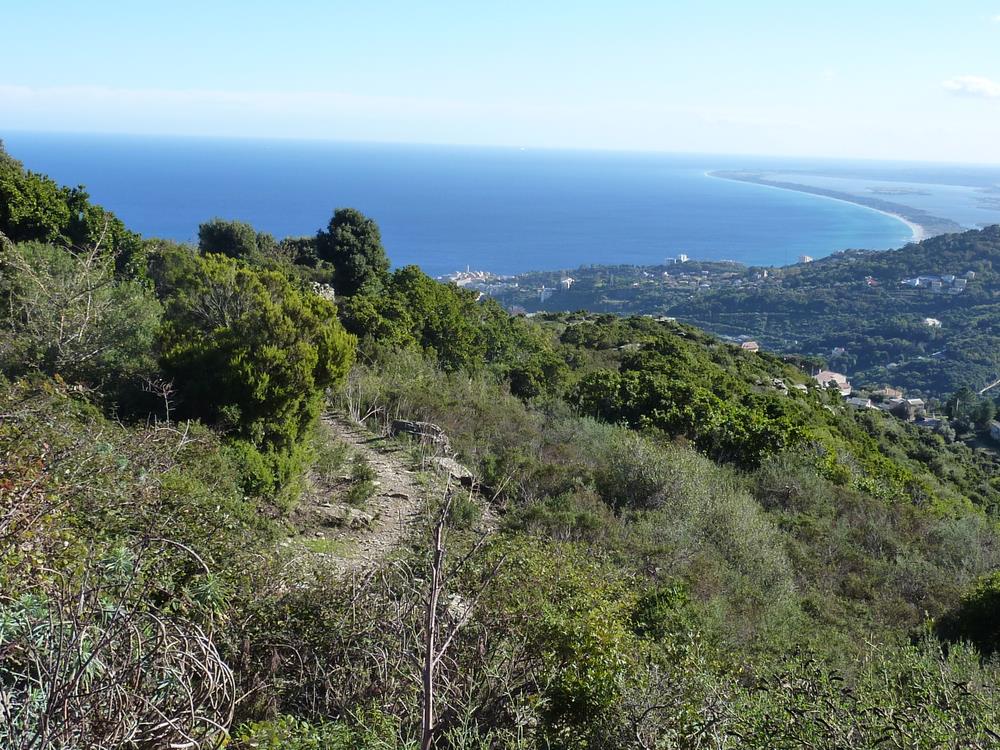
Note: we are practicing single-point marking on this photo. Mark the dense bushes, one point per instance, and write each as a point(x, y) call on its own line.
point(977, 617)
point(352, 245)
point(237, 239)
point(453, 329)
point(695, 548)
point(119, 552)
point(250, 352)
point(65, 313)
point(34, 208)
point(724, 430)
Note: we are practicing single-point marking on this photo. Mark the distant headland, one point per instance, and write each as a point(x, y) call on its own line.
point(921, 223)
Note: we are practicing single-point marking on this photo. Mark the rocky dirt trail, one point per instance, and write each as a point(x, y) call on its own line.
point(356, 537)
point(350, 537)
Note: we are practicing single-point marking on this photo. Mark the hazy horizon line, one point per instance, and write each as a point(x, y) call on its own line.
point(496, 146)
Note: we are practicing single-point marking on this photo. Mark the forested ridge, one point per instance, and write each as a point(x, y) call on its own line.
point(852, 311)
point(859, 303)
point(666, 541)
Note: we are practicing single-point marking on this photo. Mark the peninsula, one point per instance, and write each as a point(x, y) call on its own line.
point(921, 223)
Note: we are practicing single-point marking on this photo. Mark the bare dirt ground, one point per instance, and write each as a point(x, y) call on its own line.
point(352, 537)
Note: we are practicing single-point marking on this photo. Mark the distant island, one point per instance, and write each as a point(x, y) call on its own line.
point(922, 223)
point(898, 191)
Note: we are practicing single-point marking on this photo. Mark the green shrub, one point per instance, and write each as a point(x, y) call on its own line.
point(237, 239)
point(330, 457)
point(253, 354)
point(362, 486)
point(664, 612)
point(977, 617)
point(34, 208)
point(902, 697)
point(576, 515)
point(371, 730)
point(352, 244)
point(463, 512)
point(64, 312)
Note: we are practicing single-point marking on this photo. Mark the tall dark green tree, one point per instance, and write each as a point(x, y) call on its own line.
point(352, 243)
point(237, 239)
point(252, 352)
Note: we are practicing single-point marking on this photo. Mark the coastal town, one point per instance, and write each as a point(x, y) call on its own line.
point(529, 292)
point(618, 288)
point(680, 280)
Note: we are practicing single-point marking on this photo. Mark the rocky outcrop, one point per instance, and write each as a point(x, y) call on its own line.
point(454, 469)
point(426, 432)
point(342, 516)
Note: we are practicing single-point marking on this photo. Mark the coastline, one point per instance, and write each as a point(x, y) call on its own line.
point(918, 231)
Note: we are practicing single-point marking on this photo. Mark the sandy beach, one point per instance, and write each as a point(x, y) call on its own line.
point(917, 231)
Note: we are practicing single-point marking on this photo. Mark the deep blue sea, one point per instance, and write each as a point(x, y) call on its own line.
point(446, 208)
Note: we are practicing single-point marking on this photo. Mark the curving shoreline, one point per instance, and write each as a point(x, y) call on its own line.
point(918, 230)
point(920, 223)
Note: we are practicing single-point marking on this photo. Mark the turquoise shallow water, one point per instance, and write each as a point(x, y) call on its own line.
point(445, 208)
point(971, 205)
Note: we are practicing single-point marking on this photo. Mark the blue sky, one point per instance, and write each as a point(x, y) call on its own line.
point(876, 79)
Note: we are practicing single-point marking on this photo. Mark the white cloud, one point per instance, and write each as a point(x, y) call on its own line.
point(973, 86)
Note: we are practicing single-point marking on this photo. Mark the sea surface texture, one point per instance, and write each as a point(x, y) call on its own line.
point(448, 208)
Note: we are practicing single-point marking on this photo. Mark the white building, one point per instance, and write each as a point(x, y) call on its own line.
point(805, 259)
point(566, 283)
point(932, 322)
point(828, 378)
point(861, 403)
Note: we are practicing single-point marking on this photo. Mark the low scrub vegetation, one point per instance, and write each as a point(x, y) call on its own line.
point(687, 549)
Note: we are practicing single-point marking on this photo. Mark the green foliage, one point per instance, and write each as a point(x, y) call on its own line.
point(372, 730)
point(34, 208)
point(577, 617)
point(363, 477)
point(665, 612)
point(352, 244)
point(455, 330)
point(250, 351)
point(977, 617)
point(908, 697)
point(707, 531)
point(667, 388)
point(330, 457)
point(580, 515)
point(236, 239)
point(109, 480)
point(463, 512)
point(65, 313)
point(300, 251)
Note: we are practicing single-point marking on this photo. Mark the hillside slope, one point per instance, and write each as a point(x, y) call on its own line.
point(863, 304)
point(685, 528)
point(859, 312)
